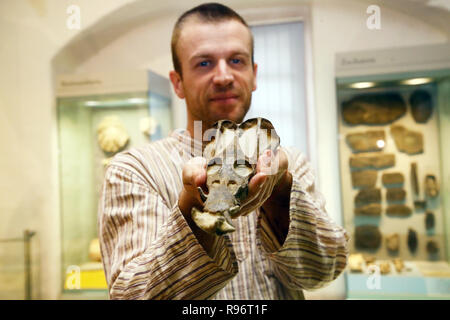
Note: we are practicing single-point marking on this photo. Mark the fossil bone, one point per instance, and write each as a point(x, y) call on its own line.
point(112, 135)
point(231, 156)
point(148, 125)
point(431, 186)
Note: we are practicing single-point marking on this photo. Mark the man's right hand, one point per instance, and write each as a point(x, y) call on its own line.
point(194, 175)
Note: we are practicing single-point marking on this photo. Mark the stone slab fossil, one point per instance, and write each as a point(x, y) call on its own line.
point(431, 186)
point(364, 179)
point(393, 242)
point(429, 220)
point(432, 247)
point(392, 179)
point(367, 237)
point(385, 267)
point(395, 194)
point(369, 260)
point(231, 155)
point(378, 161)
point(373, 108)
point(398, 210)
point(414, 180)
point(413, 241)
point(420, 205)
point(372, 210)
point(399, 264)
point(356, 262)
point(421, 105)
point(408, 141)
point(365, 196)
point(367, 141)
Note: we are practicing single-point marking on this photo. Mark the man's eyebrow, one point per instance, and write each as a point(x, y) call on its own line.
point(200, 56)
point(209, 55)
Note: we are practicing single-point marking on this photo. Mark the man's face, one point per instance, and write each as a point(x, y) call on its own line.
point(217, 72)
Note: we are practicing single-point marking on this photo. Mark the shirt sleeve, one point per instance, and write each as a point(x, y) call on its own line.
point(315, 250)
point(144, 259)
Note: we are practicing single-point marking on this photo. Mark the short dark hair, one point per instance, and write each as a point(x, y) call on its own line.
point(208, 12)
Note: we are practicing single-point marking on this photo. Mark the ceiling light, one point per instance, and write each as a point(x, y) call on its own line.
point(416, 81)
point(92, 103)
point(362, 85)
point(137, 100)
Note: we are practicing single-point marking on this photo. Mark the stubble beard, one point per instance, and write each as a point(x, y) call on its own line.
point(204, 114)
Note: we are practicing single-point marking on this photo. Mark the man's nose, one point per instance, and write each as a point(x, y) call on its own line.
point(223, 75)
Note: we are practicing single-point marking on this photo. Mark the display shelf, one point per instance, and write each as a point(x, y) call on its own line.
point(392, 130)
point(98, 117)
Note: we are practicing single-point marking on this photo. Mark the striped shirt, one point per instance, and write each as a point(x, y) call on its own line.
point(149, 251)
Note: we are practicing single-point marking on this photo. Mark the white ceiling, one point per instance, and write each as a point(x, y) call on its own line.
point(435, 13)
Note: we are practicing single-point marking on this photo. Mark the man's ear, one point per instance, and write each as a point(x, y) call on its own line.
point(255, 70)
point(177, 84)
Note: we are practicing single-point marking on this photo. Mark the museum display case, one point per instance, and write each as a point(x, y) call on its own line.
point(98, 117)
point(393, 128)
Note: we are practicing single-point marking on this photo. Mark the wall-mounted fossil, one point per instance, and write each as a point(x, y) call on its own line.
point(414, 180)
point(392, 179)
point(395, 194)
point(432, 247)
point(399, 264)
point(408, 141)
point(398, 210)
point(111, 134)
point(385, 267)
point(378, 161)
point(421, 105)
point(429, 220)
point(420, 205)
point(373, 108)
point(355, 262)
point(365, 196)
point(372, 210)
point(364, 179)
point(393, 242)
point(367, 237)
point(148, 125)
point(431, 186)
point(412, 240)
point(372, 140)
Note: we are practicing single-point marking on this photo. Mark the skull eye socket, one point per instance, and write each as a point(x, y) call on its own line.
point(214, 166)
point(242, 169)
point(232, 183)
point(213, 169)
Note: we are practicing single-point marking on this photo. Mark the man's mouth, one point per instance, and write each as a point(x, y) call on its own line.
point(224, 98)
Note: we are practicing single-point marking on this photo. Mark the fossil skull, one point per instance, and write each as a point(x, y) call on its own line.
point(231, 155)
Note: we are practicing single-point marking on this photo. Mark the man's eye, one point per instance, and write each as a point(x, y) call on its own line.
point(236, 61)
point(204, 64)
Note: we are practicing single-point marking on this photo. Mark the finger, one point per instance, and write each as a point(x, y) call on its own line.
point(264, 161)
point(194, 172)
point(268, 162)
point(258, 181)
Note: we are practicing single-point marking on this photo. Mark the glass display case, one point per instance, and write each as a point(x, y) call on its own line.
point(394, 170)
point(92, 128)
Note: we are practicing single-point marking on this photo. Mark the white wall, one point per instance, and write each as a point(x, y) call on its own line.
point(32, 33)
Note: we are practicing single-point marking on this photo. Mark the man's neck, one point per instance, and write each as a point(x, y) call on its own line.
point(197, 129)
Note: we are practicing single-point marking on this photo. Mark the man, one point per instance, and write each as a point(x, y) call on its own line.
point(151, 249)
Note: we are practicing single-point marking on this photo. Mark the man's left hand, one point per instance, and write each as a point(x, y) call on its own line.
point(272, 180)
